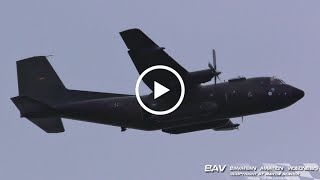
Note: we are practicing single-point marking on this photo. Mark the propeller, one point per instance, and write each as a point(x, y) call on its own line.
point(213, 67)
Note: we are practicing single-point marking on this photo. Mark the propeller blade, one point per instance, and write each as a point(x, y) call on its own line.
point(214, 59)
point(214, 67)
point(211, 67)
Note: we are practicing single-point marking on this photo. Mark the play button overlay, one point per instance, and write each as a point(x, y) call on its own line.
point(160, 90)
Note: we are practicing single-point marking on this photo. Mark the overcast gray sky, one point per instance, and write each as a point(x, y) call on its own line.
point(251, 38)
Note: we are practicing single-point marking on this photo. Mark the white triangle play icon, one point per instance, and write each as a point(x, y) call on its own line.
point(159, 90)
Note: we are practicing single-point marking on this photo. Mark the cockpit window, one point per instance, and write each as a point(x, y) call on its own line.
point(274, 81)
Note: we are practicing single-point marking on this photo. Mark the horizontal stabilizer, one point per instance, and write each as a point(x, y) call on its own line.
point(30, 107)
point(49, 124)
point(41, 114)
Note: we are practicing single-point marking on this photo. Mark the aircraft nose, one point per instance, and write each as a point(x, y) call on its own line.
point(297, 93)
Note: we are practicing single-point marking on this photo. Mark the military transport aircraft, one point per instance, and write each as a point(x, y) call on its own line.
point(44, 100)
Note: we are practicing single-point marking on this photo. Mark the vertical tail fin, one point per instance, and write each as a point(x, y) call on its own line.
point(39, 89)
point(38, 80)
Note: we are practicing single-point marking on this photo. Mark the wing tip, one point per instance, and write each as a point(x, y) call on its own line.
point(136, 39)
point(129, 30)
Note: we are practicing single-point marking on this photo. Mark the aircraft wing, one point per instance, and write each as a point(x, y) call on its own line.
point(145, 53)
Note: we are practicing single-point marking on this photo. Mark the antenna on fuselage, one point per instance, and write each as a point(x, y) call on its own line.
point(213, 67)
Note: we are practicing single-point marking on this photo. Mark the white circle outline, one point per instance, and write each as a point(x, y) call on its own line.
point(181, 94)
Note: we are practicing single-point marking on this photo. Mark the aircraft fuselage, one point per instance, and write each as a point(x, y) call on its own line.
point(205, 103)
